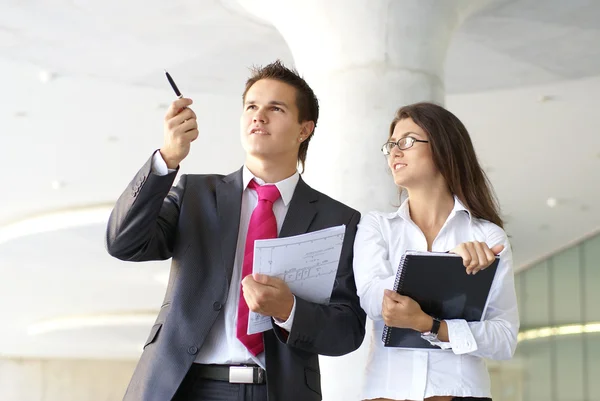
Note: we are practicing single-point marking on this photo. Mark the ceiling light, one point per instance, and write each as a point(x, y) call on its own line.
point(551, 202)
point(114, 319)
point(46, 76)
point(545, 332)
point(56, 184)
point(545, 98)
point(54, 221)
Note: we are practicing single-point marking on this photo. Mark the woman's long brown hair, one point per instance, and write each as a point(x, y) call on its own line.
point(455, 158)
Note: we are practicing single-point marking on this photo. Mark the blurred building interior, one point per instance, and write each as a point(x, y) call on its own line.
point(83, 96)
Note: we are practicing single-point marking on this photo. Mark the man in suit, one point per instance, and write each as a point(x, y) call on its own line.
point(198, 348)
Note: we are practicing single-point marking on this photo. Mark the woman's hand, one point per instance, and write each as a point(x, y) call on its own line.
point(404, 312)
point(477, 255)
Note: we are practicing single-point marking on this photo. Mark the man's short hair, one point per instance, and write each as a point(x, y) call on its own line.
point(306, 101)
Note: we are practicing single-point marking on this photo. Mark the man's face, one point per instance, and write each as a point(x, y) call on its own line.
point(269, 123)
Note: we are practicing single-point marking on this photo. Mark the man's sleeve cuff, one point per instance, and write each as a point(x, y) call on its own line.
point(287, 325)
point(159, 166)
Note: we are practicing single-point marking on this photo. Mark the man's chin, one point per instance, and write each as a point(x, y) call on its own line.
point(258, 153)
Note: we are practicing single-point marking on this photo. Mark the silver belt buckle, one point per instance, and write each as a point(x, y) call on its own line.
point(241, 374)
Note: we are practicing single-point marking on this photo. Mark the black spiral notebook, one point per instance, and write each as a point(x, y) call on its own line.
point(441, 286)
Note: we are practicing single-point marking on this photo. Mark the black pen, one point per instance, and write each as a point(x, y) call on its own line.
point(179, 95)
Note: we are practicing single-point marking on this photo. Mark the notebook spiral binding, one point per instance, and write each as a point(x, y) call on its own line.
point(397, 287)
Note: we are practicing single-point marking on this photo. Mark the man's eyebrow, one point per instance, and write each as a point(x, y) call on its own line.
point(272, 103)
point(279, 103)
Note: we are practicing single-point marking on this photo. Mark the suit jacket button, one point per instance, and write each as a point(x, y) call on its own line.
point(217, 306)
point(192, 350)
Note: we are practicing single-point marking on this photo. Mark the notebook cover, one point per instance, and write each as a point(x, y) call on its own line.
point(441, 286)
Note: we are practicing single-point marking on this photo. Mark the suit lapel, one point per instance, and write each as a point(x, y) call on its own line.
point(302, 210)
point(229, 206)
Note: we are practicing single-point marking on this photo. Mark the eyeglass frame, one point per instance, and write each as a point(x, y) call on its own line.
point(397, 143)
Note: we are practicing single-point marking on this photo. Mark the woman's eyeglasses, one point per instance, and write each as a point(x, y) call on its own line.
point(402, 143)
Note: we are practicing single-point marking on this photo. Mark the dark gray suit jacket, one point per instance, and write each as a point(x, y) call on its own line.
point(196, 223)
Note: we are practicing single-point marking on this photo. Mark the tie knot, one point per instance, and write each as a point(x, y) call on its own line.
point(265, 192)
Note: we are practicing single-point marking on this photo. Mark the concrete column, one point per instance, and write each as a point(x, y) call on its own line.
point(364, 59)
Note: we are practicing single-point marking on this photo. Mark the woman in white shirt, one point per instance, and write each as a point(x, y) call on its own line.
point(450, 207)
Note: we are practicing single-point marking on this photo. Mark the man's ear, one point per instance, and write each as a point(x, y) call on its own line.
point(308, 127)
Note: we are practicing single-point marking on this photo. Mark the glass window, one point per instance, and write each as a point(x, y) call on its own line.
point(518, 284)
point(569, 368)
point(535, 297)
point(538, 374)
point(566, 287)
point(507, 379)
point(561, 290)
point(592, 350)
point(591, 279)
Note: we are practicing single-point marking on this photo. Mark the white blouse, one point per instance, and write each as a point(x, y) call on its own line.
point(459, 368)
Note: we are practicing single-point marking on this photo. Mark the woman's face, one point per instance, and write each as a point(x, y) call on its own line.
point(413, 166)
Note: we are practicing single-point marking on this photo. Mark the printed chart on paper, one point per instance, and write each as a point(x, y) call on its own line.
point(307, 263)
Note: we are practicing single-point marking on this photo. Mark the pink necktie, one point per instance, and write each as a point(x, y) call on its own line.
point(263, 225)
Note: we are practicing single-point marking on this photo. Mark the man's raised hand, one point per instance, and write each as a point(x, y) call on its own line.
point(181, 129)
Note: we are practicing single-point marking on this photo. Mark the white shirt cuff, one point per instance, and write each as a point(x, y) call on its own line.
point(159, 166)
point(287, 325)
point(460, 336)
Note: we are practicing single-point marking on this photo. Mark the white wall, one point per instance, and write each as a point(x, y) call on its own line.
point(63, 380)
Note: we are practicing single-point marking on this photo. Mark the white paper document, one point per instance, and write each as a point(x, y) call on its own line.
point(308, 263)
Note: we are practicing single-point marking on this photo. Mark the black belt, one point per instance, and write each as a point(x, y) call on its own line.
point(250, 374)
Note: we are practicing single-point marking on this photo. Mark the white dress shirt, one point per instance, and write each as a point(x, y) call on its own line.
point(222, 345)
point(458, 369)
